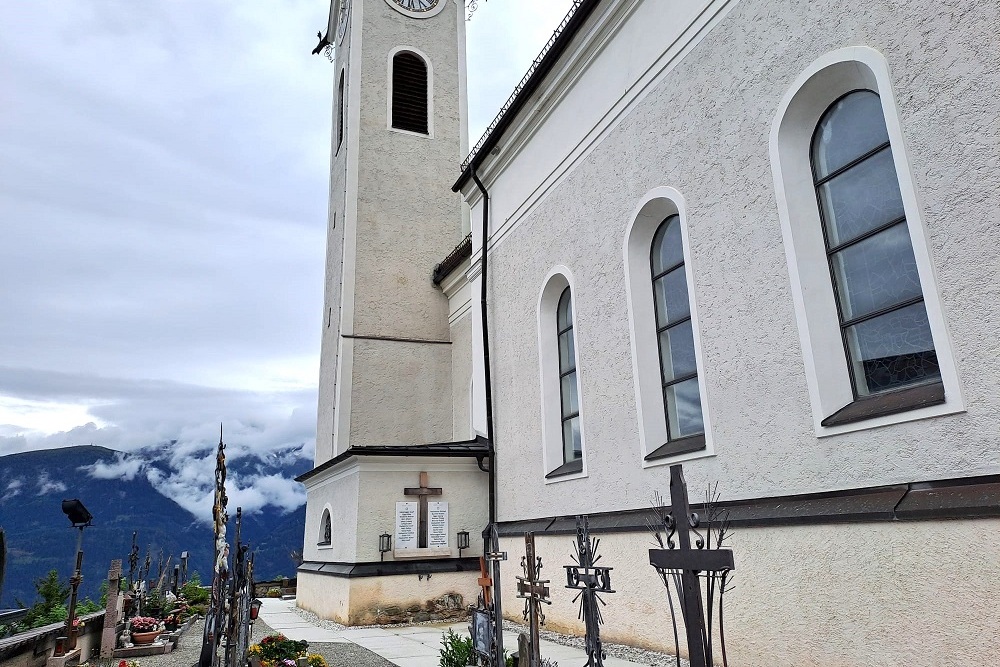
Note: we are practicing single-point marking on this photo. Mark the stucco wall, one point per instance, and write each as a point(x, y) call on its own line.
point(401, 393)
point(704, 131)
point(325, 596)
point(461, 376)
point(339, 493)
point(879, 595)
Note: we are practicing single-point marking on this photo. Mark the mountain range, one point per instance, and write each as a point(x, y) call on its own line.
point(40, 537)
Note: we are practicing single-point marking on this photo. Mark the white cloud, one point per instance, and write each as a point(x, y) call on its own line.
point(13, 488)
point(123, 467)
point(47, 485)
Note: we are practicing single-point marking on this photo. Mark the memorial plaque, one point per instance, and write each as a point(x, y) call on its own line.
point(437, 525)
point(406, 526)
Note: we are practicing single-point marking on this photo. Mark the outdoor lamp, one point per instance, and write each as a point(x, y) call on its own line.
point(384, 544)
point(463, 541)
point(254, 609)
point(77, 513)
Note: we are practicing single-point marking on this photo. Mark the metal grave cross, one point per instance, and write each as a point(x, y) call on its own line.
point(422, 492)
point(494, 557)
point(689, 562)
point(590, 580)
point(534, 591)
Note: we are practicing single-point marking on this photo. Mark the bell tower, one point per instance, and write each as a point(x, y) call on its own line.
point(398, 137)
point(386, 429)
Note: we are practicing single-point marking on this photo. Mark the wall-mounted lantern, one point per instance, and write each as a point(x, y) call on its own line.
point(384, 544)
point(254, 609)
point(463, 541)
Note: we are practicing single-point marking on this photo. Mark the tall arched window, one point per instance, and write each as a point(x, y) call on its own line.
point(340, 111)
point(675, 338)
point(880, 303)
point(409, 93)
point(569, 392)
point(325, 530)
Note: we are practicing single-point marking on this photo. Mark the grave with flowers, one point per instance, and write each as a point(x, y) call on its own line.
point(279, 651)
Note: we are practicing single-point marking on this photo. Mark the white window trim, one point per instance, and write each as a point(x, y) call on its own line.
point(430, 92)
point(652, 210)
point(823, 82)
point(327, 511)
point(557, 280)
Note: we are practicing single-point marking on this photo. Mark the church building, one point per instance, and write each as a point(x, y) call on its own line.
point(754, 237)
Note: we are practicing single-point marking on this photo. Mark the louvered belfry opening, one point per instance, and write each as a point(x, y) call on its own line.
point(409, 93)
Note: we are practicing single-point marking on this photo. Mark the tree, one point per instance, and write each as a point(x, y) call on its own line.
point(51, 607)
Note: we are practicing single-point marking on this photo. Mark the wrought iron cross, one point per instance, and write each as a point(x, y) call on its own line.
point(534, 591)
point(133, 561)
point(689, 562)
point(422, 492)
point(494, 557)
point(590, 580)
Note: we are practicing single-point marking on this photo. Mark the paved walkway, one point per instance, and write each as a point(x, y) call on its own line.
point(406, 646)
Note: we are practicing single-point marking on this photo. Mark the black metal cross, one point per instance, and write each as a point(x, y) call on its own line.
point(689, 562)
point(590, 580)
point(422, 492)
point(534, 591)
point(494, 557)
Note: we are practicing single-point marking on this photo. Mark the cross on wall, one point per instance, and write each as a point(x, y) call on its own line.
point(422, 492)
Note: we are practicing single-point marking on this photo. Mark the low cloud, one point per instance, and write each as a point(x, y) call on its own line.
point(47, 485)
point(123, 467)
point(13, 488)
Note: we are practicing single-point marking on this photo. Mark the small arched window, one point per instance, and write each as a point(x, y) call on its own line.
point(409, 93)
point(569, 392)
point(880, 303)
point(675, 339)
point(325, 530)
point(340, 111)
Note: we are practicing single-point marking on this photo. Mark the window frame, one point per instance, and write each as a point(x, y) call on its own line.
point(656, 448)
point(835, 408)
point(568, 465)
point(555, 468)
point(341, 109)
point(430, 91)
point(325, 519)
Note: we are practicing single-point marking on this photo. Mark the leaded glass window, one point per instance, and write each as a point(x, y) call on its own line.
point(569, 388)
point(883, 320)
point(675, 337)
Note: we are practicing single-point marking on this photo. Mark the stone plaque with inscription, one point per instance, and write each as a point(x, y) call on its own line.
point(437, 525)
point(406, 526)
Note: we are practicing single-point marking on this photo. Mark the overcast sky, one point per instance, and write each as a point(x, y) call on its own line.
point(163, 186)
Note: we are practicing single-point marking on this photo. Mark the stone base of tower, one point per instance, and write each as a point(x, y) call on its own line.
point(406, 598)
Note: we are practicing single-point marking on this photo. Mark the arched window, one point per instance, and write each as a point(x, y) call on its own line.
point(675, 339)
point(340, 111)
point(569, 393)
point(563, 434)
point(325, 530)
point(409, 93)
point(859, 258)
point(880, 303)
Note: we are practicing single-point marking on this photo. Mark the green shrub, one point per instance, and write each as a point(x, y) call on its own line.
point(456, 650)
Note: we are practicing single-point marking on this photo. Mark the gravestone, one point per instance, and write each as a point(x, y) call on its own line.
point(109, 636)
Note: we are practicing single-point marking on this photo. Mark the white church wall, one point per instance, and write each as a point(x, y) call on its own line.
point(383, 481)
point(338, 494)
point(461, 377)
point(806, 595)
point(703, 130)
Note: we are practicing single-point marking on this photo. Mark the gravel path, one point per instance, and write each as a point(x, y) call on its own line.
point(189, 649)
point(630, 653)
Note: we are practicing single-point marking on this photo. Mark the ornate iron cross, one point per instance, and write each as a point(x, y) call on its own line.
point(494, 557)
point(534, 591)
point(689, 562)
point(133, 561)
point(590, 580)
point(422, 492)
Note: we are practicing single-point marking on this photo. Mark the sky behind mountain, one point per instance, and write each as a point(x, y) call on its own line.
point(163, 192)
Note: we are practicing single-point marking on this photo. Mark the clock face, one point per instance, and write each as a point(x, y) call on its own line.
point(345, 14)
point(418, 7)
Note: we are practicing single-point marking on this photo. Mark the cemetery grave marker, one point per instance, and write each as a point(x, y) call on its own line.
point(590, 580)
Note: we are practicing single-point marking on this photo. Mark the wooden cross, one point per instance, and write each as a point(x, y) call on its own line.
point(689, 561)
point(534, 591)
point(486, 583)
point(422, 492)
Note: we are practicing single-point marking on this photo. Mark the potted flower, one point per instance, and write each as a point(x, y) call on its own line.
point(170, 622)
point(145, 629)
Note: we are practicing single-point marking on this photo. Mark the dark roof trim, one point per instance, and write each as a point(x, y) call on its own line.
point(462, 252)
point(392, 567)
point(477, 448)
point(965, 498)
point(546, 60)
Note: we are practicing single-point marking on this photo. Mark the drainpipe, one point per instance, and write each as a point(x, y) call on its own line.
point(486, 351)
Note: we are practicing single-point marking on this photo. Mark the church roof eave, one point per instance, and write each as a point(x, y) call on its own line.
point(477, 448)
point(542, 65)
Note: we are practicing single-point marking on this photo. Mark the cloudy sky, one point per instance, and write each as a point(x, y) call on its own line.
point(163, 185)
